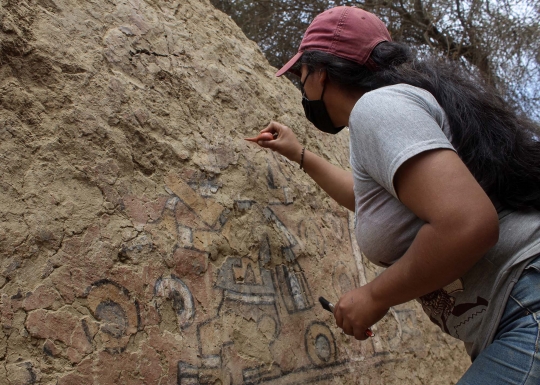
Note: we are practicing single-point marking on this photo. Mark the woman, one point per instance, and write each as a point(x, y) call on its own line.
point(445, 185)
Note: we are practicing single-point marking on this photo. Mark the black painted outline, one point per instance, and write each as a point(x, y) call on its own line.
point(333, 342)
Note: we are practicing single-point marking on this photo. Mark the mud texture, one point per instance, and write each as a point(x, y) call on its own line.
point(143, 241)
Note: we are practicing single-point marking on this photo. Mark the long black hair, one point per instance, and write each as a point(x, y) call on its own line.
point(500, 147)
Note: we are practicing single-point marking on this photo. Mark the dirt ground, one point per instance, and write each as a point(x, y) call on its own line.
point(143, 241)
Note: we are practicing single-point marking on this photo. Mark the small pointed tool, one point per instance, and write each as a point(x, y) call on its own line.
point(327, 305)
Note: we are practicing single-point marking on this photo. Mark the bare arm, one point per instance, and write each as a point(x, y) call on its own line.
point(336, 182)
point(461, 225)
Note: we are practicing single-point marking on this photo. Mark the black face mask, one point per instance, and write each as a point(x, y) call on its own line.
point(317, 113)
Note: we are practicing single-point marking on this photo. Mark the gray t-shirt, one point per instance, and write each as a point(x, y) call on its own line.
point(387, 127)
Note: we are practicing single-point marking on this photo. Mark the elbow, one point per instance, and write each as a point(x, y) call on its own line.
point(483, 230)
point(475, 230)
point(491, 231)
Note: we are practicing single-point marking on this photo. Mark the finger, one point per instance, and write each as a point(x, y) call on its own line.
point(263, 136)
point(266, 144)
point(347, 327)
point(268, 135)
point(360, 334)
point(274, 128)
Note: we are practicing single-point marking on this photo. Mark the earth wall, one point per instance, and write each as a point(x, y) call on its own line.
point(143, 241)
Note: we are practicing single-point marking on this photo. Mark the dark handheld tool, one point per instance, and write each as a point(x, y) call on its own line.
point(327, 305)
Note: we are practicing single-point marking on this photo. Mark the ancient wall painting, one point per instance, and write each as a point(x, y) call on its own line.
point(175, 290)
point(145, 242)
point(276, 299)
point(182, 290)
point(117, 313)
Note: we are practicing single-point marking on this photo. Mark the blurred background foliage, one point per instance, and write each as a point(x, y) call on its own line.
point(498, 40)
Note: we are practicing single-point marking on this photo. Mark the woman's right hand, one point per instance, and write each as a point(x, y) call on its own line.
point(337, 183)
point(285, 143)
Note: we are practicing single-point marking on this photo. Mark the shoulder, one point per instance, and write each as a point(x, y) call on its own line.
point(399, 91)
point(395, 100)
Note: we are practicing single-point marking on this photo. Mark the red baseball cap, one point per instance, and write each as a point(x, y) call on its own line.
point(347, 32)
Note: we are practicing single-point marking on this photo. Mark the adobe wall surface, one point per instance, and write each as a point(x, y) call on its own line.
point(143, 241)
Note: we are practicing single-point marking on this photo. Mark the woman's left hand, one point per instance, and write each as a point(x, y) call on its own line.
point(356, 311)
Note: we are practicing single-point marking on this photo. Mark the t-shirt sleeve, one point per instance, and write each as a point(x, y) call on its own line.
point(390, 125)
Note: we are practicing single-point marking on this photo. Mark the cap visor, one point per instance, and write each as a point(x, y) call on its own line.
point(289, 64)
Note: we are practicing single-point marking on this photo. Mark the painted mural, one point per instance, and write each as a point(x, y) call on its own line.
point(143, 241)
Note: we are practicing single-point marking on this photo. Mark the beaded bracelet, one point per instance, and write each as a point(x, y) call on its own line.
point(302, 159)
